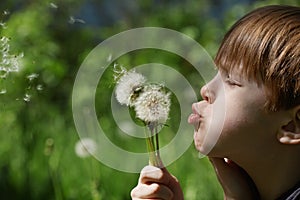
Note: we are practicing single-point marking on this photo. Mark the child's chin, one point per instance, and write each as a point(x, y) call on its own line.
point(200, 147)
point(203, 147)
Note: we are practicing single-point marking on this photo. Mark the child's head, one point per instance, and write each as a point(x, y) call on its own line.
point(259, 71)
point(265, 46)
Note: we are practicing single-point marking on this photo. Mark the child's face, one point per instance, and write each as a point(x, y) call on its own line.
point(231, 118)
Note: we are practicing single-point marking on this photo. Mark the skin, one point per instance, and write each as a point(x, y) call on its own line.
point(260, 147)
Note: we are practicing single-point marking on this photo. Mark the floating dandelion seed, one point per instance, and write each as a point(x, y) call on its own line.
point(109, 58)
point(85, 147)
point(39, 87)
point(32, 76)
point(73, 20)
point(27, 98)
point(126, 86)
point(53, 5)
point(6, 12)
point(3, 25)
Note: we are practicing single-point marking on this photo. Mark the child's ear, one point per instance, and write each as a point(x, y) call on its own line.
point(290, 132)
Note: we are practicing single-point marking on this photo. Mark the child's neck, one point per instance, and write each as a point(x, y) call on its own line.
point(272, 174)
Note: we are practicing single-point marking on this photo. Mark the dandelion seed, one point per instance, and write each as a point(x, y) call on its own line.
point(53, 5)
point(3, 25)
point(73, 20)
point(39, 87)
point(126, 86)
point(27, 98)
point(85, 147)
point(153, 104)
point(6, 12)
point(109, 58)
point(32, 76)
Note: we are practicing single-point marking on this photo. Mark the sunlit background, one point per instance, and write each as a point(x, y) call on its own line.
point(40, 157)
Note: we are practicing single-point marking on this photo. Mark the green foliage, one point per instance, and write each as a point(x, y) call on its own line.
point(37, 132)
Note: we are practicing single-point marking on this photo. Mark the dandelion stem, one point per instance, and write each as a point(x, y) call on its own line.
point(153, 147)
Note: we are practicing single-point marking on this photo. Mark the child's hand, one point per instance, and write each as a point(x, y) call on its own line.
point(156, 183)
point(235, 182)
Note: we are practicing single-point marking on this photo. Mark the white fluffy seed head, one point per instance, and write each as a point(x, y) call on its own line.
point(8, 62)
point(153, 104)
point(126, 86)
point(85, 147)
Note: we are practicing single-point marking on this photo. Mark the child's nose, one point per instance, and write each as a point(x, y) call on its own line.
point(204, 93)
point(207, 94)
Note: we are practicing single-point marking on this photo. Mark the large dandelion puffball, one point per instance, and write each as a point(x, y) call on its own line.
point(153, 104)
point(126, 86)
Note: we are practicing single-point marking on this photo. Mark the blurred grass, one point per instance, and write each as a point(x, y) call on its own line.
point(38, 137)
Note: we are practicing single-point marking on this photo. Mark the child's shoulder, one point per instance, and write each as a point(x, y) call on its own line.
point(292, 194)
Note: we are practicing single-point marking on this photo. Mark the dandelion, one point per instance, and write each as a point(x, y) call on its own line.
point(85, 147)
point(151, 104)
point(127, 85)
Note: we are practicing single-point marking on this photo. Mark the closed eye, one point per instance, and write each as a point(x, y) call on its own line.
point(232, 82)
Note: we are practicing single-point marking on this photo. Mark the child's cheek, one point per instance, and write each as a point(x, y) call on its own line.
point(210, 129)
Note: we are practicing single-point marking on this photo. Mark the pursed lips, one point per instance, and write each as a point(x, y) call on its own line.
point(195, 118)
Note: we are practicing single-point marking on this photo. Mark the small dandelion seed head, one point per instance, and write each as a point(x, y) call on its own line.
point(3, 91)
point(153, 104)
point(126, 85)
point(85, 147)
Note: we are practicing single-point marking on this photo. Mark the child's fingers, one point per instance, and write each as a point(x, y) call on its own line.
point(151, 174)
point(151, 191)
point(156, 183)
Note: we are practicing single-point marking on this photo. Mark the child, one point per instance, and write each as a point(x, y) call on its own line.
point(257, 155)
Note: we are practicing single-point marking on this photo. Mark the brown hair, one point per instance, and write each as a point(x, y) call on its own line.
point(266, 43)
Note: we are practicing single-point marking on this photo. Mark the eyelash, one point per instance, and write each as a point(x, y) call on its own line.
point(231, 82)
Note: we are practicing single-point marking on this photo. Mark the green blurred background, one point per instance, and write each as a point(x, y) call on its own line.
point(37, 132)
